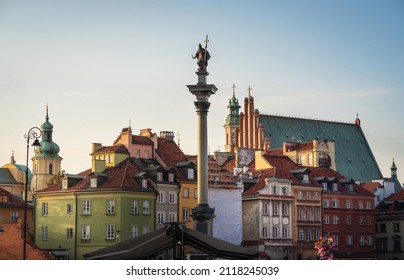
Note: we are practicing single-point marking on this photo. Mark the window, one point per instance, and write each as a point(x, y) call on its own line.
point(396, 227)
point(111, 231)
point(14, 216)
point(347, 204)
point(195, 193)
point(368, 205)
point(348, 220)
point(146, 154)
point(137, 153)
point(161, 197)
point(316, 216)
point(274, 190)
point(360, 204)
point(308, 215)
point(361, 240)
point(44, 209)
point(185, 214)
point(159, 176)
point(185, 192)
point(326, 203)
point(335, 203)
point(44, 234)
point(316, 197)
point(265, 208)
point(349, 240)
point(326, 219)
point(275, 232)
point(300, 234)
point(316, 234)
point(299, 195)
point(172, 197)
point(110, 206)
point(69, 208)
point(335, 239)
point(146, 205)
point(308, 195)
point(303, 160)
point(335, 220)
point(146, 229)
point(134, 231)
point(144, 183)
point(171, 177)
point(368, 220)
point(285, 209)
point(308, 234)
point(191, 173)
point(85, 232)
point(86, 207)
point(335, 187)
point(172, 217)
point(361, 221)
point(325, 185)
point(93, 182)
point(50, 169)
point(305, 178)
point(134, 207)
point(265, 232)
point(161, 217)
point(69, 232)
point(299, 214)
point(370, 240)
point(285, 232)
point(311, 163)
point(275, 209)
point(284, 191)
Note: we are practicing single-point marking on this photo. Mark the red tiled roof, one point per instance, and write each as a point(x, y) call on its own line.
point(115, 148)
point(118, 177)
point(395, 196)
point(141, 140)
point(370, 186)
point(13, 201)
point(171, 154)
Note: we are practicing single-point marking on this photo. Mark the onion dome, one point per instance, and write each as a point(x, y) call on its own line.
point(48, 148)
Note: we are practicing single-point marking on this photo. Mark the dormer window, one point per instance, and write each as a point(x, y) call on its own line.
point(191, 173)
point(335, 187)
point(274, 189)
point(325, 185)
point(159, 176)
point(93, 182)
point(144, 183)
point(305, 178)
point(171, 177)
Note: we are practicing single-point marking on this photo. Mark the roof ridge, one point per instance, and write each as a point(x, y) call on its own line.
point(306, 118)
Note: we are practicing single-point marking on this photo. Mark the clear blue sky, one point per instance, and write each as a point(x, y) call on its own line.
point(101, 64)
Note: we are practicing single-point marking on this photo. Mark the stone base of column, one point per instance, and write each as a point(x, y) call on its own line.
point(203, 218)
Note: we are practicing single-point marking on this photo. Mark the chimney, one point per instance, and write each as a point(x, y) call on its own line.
point(167, 135)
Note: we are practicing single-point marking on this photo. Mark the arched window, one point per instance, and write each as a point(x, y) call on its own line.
point(50, 168)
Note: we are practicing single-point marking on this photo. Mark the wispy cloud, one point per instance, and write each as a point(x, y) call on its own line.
point(81, 94)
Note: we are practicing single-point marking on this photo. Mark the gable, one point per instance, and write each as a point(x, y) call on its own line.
point(354, 158)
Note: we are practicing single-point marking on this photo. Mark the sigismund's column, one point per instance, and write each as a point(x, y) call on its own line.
point(203, 214)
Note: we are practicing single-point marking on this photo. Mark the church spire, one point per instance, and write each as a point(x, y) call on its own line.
point(393, 169)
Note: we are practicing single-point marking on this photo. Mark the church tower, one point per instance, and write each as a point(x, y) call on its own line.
point(232, 123)
point(46, 162)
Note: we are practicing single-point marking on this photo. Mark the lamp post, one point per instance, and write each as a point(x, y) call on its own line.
point(33, 133)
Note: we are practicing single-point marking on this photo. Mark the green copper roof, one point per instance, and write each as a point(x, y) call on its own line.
point(354, 158)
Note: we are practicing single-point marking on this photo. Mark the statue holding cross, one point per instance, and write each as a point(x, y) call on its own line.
point(202, 56)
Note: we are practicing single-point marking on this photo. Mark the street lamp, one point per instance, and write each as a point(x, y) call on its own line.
point(33, 133)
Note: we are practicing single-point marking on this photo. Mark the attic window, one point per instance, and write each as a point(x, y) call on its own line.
point(335, 187)
point(93, 183)
point(325, 185)
point(305, 178)
point(144, 183)
point(171, 177)
point(159, 176)
point(190, 173)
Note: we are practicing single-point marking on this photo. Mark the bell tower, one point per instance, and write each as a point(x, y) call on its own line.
point(232, 123)
point(46, 161)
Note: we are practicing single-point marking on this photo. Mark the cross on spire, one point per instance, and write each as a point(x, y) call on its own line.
point(249, 91)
